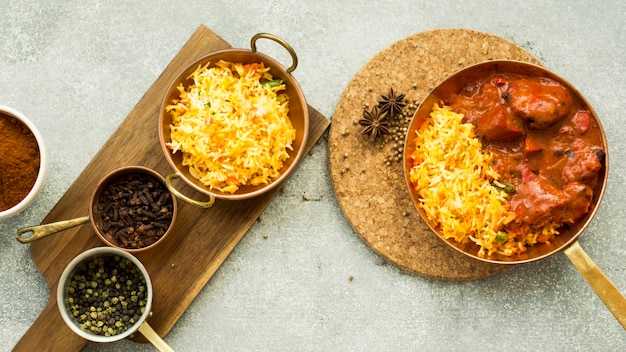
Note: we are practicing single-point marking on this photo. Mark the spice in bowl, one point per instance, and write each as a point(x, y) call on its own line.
point(19, 161)
point(107, 295)
point(134, 210)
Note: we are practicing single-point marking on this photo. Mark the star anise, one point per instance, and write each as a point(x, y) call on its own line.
point(374, 123)
point(391, 103)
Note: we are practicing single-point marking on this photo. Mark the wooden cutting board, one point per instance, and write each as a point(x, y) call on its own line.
point(202, 238)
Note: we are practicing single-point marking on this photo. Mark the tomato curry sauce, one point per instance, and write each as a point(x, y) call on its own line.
point(546, 146)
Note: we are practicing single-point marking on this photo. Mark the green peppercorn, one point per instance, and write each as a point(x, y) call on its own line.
point(101, 289)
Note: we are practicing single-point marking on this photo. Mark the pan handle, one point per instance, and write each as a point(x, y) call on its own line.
point(280, 41)
point(44, 230)
point(606, 290)
point(179, 194)
point(154, 338)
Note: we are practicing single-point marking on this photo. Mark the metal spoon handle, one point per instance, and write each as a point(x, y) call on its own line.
point(44, 230)
point(154, 338)
point(606, 290)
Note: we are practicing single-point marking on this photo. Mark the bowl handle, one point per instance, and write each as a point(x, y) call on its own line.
point(280, 41)
point(33, 233)
point(606, 290)
point(154, 338)
point(177, 193)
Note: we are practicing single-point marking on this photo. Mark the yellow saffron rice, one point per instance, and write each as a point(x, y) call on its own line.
point(453, 177)
point(232, 125)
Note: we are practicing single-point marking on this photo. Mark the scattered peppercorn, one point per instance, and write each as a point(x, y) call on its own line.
point(388, 119)
point(107, 295)
point(398, 128)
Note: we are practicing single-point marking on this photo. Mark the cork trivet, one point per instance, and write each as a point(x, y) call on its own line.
point(371, 191)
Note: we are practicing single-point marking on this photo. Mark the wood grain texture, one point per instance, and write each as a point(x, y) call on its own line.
point(374, 196)
point(201, 240)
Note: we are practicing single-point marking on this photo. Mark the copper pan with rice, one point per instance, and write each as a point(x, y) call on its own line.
point(507, 163)
point(233, 124)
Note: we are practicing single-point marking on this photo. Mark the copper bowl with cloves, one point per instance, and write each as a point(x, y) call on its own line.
point(130, 209)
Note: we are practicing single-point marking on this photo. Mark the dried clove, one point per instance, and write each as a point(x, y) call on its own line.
point(130, 217)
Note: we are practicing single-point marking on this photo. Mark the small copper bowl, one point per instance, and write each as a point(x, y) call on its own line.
point(298, 113)
point(30, 234)
point(95, 214)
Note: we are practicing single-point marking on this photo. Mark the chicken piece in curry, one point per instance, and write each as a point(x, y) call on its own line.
point(547, 147)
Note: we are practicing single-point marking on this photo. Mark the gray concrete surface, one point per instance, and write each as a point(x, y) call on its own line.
point(78, 67)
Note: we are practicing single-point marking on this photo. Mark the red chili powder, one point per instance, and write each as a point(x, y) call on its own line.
point(19, 161)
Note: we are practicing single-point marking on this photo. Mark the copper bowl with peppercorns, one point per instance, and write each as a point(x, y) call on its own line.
point(23, 161)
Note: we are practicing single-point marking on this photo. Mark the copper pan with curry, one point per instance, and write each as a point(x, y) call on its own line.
point(507, 162)
point(233, 124)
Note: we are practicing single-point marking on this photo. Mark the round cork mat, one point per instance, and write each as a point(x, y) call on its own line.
point(371, 188)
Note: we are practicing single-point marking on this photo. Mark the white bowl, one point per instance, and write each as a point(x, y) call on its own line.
point(43, 164)
point(73, 267)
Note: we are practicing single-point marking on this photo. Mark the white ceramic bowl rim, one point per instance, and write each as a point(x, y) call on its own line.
point(43, 164)
point(71, 268)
